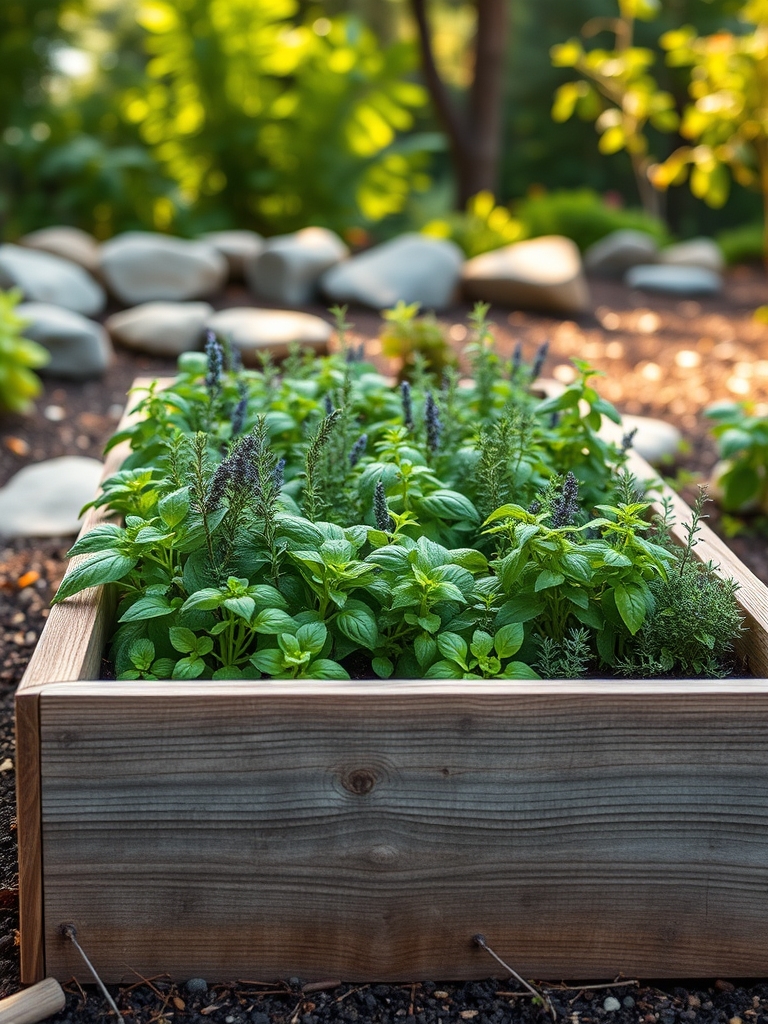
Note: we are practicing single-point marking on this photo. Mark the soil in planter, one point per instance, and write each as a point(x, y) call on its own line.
point(663, 358)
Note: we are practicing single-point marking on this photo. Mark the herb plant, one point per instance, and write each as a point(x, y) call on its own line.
point(18, 358)
point(322, 522)
point(742, 438)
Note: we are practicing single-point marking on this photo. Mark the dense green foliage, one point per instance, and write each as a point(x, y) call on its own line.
point(317, 522)
point(18, 358)
point(742, 439)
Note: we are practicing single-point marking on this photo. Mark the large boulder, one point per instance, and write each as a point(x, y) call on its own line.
point(674, 280)
point(696, 252)
point(269, 330)
point(237, 247)
point(543, 273)
point(614, 254)
point(162, 328)
point(410, 268)
point(79, 347)
point(44, 500)
point(289, 266)
point(69, 243)
point(43, 277)
point(142, 266)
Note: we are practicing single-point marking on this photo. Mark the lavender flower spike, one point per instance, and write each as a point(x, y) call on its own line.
point(566, 508)
point(540, 359)
point(215, 355)
point(381, 509)
point(238, 416)
point(357, 450)
point(433, 424)
point(405, 394)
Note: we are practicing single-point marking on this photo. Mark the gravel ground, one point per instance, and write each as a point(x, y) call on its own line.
point(663, 358)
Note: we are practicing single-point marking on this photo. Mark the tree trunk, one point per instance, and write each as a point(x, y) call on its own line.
point(474, 135)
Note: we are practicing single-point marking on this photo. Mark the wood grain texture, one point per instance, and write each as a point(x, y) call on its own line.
point(72, 642)
point(367, 832)
point(33, 1004)
point(29, 835)
point(752, 596)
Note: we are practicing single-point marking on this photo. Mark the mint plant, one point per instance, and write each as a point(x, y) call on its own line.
point(316, 521)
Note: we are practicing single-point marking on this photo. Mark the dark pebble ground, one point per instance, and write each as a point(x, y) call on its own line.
point(638, 340)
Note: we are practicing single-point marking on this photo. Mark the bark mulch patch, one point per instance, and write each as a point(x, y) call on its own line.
point(662, 357)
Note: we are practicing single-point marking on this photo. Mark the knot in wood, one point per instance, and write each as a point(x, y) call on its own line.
point(359, 781)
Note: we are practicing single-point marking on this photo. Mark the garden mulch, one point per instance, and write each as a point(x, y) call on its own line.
point(662, 357)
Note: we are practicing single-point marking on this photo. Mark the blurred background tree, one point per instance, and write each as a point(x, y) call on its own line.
point(188, 115)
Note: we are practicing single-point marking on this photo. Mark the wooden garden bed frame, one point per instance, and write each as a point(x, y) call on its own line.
point(368, 830)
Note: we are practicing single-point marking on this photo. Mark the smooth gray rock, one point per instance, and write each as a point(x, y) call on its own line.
point(614, 254)
point(162, 328)
point(655, 439)
point(237, 247)
point(611, 1004)
point(289, 267)
point(697, 252)
point(44, 500)
point(141, 266)
point(674, 280)
point(43, 277)
point(69, 243)
point(410, 268)
point(273, 330)
point(80, 348)
point(543, 273)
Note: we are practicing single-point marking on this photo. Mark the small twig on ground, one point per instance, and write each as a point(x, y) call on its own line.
point(560, 987)
point(480, 941)
point(70, 932)
point(352, 992)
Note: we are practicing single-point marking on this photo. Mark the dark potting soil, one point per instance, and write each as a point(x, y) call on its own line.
point(662, 357)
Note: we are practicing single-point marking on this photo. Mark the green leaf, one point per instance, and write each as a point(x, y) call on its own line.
point(205, 599)
point(100, 538)
point(173, 508)
point(182, 639)
point(425, 649)
point(577, 566)
point(104, 567)
point(270, 662)
point(163, 668)
point(452, 646)
point(298, 531)
point(151, 607)
point(481, 644)
point(383, 667)
point(244, 607)
point(312, 636)
point(519, 670)
point(470, 559)
point(547, 578)
point(324, 668)
point(442, 670)
point(521, 608)
point(631, 604)
point(188, 668)
point(509, 639)
point(740, 485)
point(359, 624)
point(445, 504)
point(142, 654)
point(273, 621)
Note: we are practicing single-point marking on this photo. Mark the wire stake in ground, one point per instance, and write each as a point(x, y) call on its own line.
point(70, 932)
point(479, 940)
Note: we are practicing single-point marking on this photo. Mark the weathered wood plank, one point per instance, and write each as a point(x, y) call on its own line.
point(29, 835)
point(72, 642)
point(367, 832)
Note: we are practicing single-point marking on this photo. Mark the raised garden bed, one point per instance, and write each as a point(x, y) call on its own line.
point(369, 829)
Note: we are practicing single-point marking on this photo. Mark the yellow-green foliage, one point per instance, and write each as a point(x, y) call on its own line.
point(299, 119)
point(726, 122)
point(18, 357)
point(617, 90)
point(481, 227)
point(407, 336)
